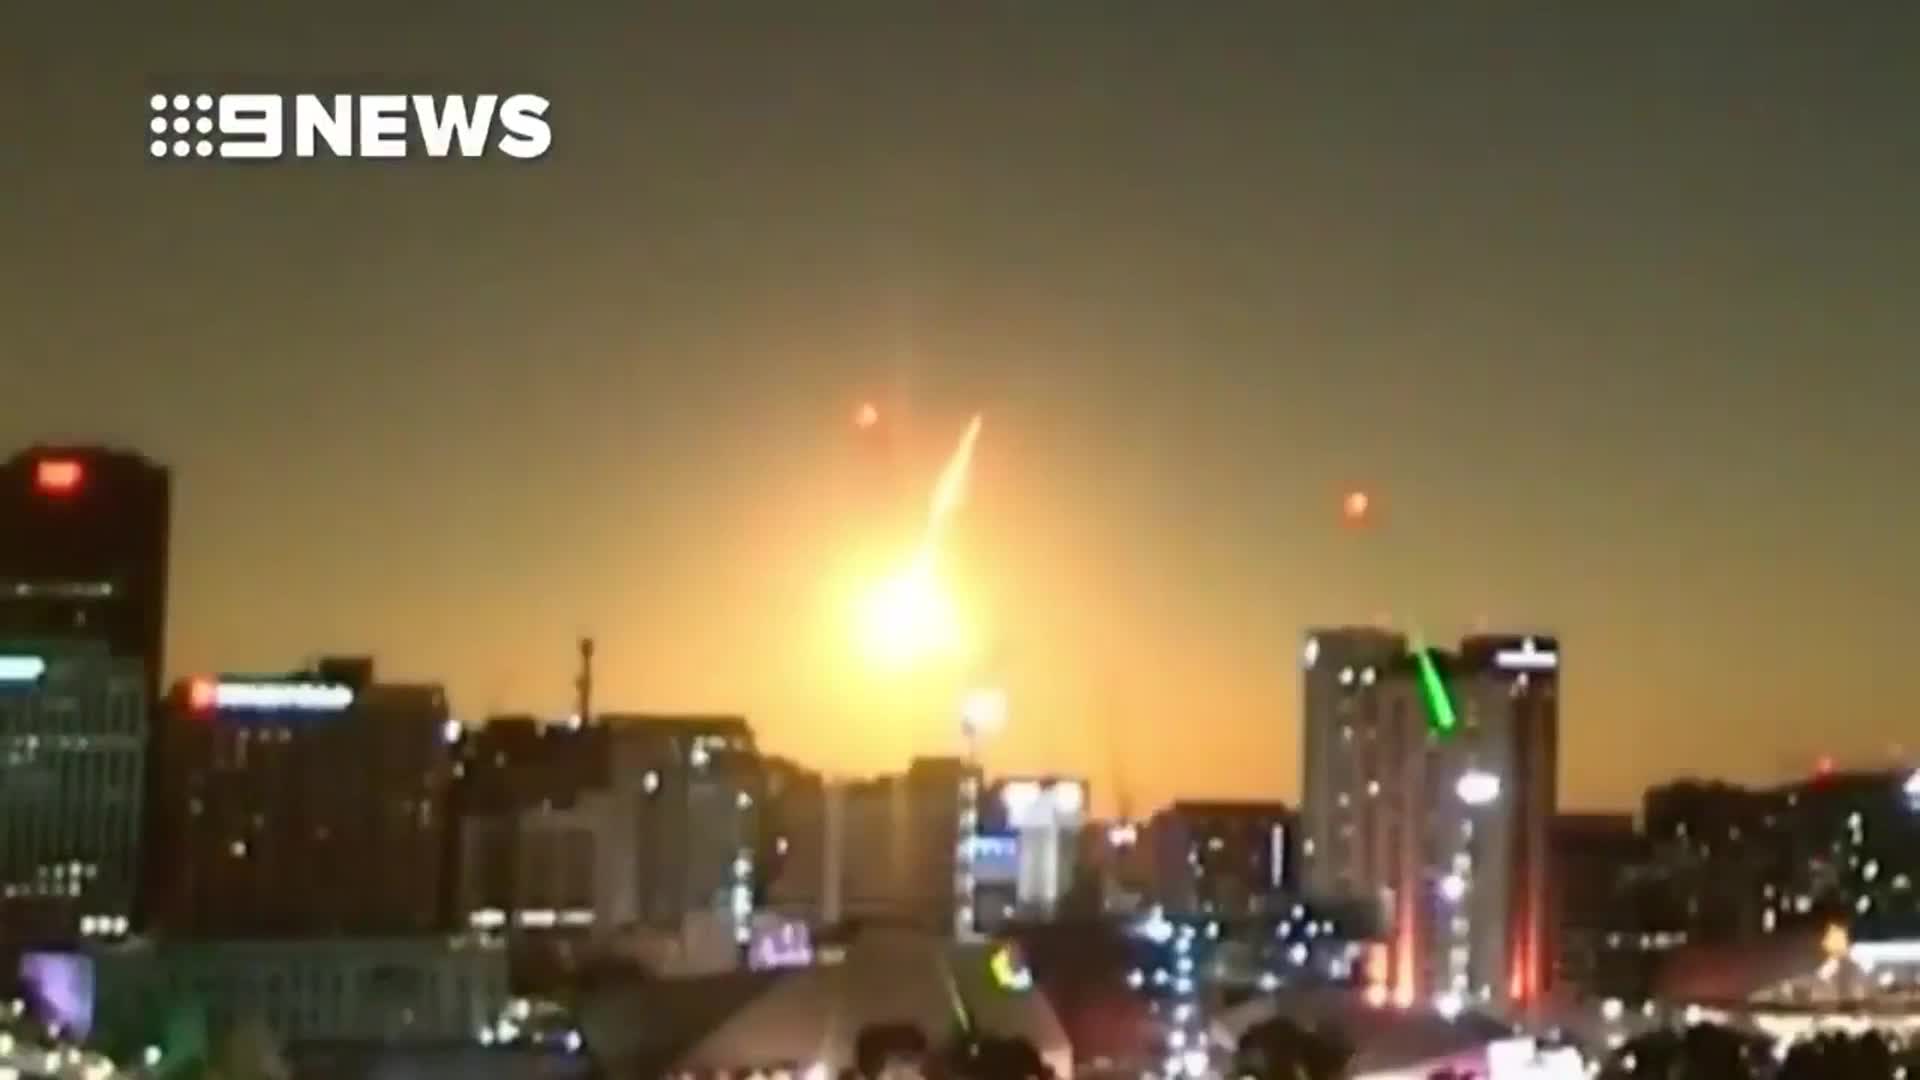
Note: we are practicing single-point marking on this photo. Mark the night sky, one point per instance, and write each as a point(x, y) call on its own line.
point(1613, 307)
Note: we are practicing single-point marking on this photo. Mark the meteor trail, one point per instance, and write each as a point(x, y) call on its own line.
point(910, 615)
point(950, 491)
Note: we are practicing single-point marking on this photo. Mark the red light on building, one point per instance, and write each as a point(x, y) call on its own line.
point(201, 695)
point(58, 476)
point(1823, 767)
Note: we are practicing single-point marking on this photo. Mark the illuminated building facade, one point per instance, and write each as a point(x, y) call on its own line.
point(1511, 691)
point(1431, 784)
point(1347, 846)
point(83, 550)
point(1044, 816)
point(73, 737)
point(1228, 859)
point(308, 804)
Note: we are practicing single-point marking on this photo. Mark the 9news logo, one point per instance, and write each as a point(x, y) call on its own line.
point(271, 127)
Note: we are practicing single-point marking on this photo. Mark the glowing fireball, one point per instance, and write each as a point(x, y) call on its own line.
point(908, 618)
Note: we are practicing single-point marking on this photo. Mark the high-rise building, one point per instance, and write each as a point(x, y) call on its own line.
point(639, 826)
point(1224, 859)
point(73, 736)
point(1431, 781)
point(697, 785)
point(885, 850)
point(306, 804)
point(1719, 852)
point(1043, 816)
point(1852, 845)
point(1348, 744)
point(525, 805)
point(83, 550)
point(797, 817)
point(1511, 687)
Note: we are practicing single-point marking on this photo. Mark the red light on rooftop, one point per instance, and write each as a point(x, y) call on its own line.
point(58, 476)
point(200, 695)
point(1823, 767)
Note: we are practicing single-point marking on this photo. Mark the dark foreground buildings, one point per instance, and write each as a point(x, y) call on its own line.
point(306, 804)
point(1741, 862)
point(1228, 859)
point(642, 829)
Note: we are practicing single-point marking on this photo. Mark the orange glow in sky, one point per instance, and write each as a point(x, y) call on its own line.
point(624, 395)
point(910, 617)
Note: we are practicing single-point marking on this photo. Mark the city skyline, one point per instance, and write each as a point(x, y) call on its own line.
point(1625, 365)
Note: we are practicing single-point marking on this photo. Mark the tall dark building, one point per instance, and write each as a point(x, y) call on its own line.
point(83, 550)
point(1224, 858)
point(1838, 846)
point(1601, 909)
point(1720, 852)
point(306, 804)
point(643, 827)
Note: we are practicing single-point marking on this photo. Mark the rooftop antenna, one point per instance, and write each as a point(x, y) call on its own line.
point(1117, 751)
point(583, 684)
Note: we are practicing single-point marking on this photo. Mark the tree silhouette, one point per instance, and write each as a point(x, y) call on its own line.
point(1701, 1052)
point(248, 1051)
point(989, 1057)
point(1909, 1059)
point(1842, 1057)
point(889, 1049)
point(1280, 1049)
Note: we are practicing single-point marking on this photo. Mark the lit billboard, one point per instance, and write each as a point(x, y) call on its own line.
point(59, 988)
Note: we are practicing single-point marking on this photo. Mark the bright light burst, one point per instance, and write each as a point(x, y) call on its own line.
point(908, 619)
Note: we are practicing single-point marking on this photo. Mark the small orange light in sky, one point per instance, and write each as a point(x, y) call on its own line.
point(866, 416)
point(1356, 507)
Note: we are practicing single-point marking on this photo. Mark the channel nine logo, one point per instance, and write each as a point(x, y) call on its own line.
point(389, 127)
